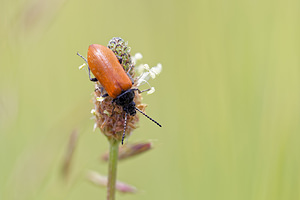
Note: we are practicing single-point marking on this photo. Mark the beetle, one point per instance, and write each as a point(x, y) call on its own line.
point(107, 69)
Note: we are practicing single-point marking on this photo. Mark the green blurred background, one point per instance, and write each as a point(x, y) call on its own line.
point(228, 98)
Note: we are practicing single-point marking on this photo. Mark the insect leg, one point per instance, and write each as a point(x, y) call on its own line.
point(91, 79)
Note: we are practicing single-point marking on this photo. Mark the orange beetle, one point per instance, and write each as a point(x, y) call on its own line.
point(109, 72)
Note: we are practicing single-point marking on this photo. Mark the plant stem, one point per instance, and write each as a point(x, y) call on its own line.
point(112, 168)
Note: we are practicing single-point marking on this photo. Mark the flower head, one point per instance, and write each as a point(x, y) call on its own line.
point(110, 117)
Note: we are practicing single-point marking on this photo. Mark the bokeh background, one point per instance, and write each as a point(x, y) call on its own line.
point(228, 98)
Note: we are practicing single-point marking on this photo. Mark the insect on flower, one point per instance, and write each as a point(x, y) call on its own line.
point(107, 69)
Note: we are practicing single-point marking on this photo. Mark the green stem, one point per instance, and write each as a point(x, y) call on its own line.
point(112, 168)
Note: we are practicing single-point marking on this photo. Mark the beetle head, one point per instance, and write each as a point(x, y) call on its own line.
point(125, 99)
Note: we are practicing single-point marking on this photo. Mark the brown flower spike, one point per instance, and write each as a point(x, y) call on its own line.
point(112, 124)
point(110, 117)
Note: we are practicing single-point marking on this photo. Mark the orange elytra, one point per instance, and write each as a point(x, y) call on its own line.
point(107, 69)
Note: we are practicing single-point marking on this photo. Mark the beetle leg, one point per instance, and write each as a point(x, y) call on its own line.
point(91, 79)
point(142, 90)
point(101, 91)
point(132, 81)
point(105, 95)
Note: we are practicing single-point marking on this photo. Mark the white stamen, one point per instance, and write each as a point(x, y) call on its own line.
point(143, 78)
point(82, 66)
point(106, 112)
point(146, 66)
point(151, 91)
point(95, 126)
point(152, 74)
point(138, 56)
point(100, 98)
point(157, 69)
point(140, 69)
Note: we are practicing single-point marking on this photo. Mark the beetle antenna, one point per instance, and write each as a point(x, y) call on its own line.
point(124, 128)
point(148, 116)
point(82, 57)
